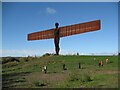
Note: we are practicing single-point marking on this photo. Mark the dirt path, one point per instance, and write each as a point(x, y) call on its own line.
point(50, 77)
point(109, 71)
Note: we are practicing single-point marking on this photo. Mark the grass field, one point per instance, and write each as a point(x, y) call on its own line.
point(28, 74)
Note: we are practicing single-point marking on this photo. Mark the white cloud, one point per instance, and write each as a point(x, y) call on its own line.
point(50, 10)
point(43, 51)
point(23, 52)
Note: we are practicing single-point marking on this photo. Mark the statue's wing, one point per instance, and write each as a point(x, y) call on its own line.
point(46, 34)
point(79, 28)
point(66, 30)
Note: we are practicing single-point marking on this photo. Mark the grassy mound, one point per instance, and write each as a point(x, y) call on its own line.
point(29, 74)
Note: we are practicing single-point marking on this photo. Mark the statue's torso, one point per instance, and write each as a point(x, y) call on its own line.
point(56, 32)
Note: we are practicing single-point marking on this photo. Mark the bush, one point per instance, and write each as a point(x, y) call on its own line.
point(9, 59)
point(81, 78)
point(9, 64)
point(74, 77)
point(30, 58)
point(39, 83)
point(4, 60)
point(111, 62)
point(85, 78)
point(22, 59)
point(25, 59)
point(47, 54)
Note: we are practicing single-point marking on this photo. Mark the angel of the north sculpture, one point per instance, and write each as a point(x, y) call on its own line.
point(64, 31)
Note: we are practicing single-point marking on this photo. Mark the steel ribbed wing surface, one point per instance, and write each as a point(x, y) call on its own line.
point(46, 34)
point(79, 28)
point(66, 30)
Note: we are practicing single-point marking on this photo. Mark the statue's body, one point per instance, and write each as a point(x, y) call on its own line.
point(56, 39)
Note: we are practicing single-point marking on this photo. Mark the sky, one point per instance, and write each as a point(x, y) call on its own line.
point(21, 18)
point(60, 1)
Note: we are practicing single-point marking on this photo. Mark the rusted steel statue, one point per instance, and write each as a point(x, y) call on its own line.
point(56, 39)
point(64, 31)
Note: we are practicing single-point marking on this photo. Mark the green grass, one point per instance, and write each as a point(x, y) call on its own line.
point(28, 74)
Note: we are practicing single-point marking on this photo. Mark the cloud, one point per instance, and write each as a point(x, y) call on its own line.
point(50, 10)
point(33, 52)
point(23, 52)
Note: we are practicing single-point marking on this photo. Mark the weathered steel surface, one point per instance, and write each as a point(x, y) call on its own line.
point(46, 34)
point(79, 28)
point(66, 30)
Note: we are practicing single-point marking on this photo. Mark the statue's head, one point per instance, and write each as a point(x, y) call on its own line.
point(56, 24)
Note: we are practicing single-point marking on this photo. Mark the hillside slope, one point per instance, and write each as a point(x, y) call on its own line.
point(28, 73)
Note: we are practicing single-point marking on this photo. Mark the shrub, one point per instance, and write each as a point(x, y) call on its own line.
point(9, 59)
point(111, 62)
point(85, 78)
point(74, 77)
point(5, 60)
point(80, 77)
point(9, 64)
point(47, 54)
point(23, 59)
point(30, 58)
point(40, 83)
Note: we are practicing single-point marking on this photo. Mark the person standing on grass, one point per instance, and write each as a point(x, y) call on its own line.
point(106, 60)
point(79, 65)
point(45, 69)
point(101, 63)
point(94, 59)
point(64, 67)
